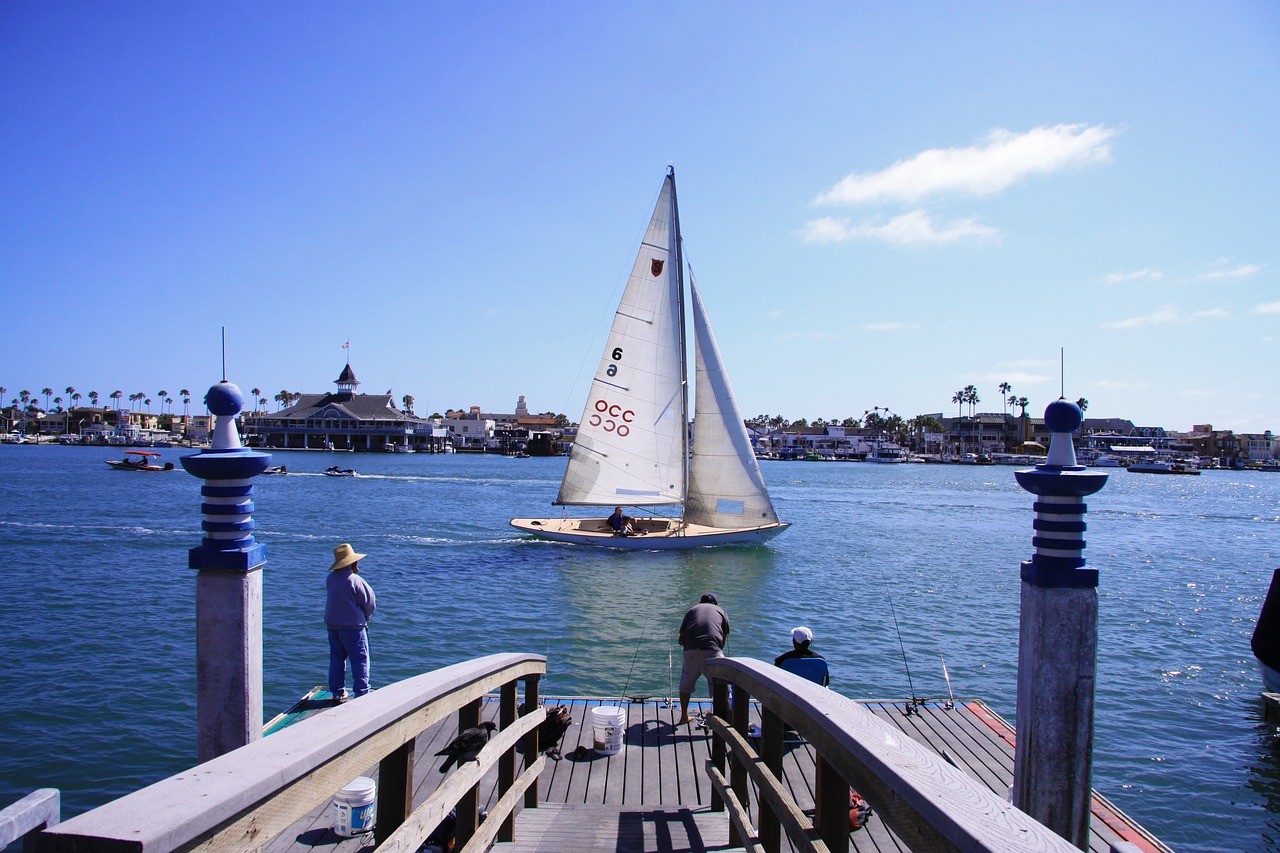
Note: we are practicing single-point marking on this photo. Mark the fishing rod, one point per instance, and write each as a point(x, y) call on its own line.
point(626, 684)
point(913, 702)
point(951, 700)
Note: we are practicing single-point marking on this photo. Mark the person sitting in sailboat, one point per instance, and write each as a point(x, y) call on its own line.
point(622, 525)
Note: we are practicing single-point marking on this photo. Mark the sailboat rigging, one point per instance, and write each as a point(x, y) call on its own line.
point(632, 446)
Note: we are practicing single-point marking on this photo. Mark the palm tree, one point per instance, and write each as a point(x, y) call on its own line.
point(160, 396)
point(971, 397)
point(169, 400)
point(70, 391)
point(93, 399)
point(1083, 404)
point(25, 397)
point(116, 395)
point(75, 398)
point(46, 393)
point(959, 398)
point(282, 398)
point(186, 400)
point(148, 405)
point(58, 402)
point(408, 403)
point(1005, 388)
point(255, 393)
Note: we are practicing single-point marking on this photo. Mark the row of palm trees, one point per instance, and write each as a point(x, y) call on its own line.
point(26, 401)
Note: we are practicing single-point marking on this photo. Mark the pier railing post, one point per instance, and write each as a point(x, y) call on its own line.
point(1057, 641)
point(507, 713)
point(468, 817)
point(229, 565)
point(720, 707)
point(533, 748)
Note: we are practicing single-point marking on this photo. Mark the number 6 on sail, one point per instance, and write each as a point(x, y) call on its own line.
point(633, 437)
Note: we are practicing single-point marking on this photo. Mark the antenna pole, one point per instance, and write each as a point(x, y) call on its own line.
point(224, 353)
point(1062, 373)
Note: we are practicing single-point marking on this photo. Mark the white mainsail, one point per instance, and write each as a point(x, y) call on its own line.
point(630, 446)
point(726, 487)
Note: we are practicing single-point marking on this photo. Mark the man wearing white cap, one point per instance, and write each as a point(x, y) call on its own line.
point(348, 607)
point(800, 639)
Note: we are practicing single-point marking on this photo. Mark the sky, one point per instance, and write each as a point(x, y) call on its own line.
point(883, 202)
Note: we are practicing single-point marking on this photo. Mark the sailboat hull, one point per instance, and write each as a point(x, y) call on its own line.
point(660, 534)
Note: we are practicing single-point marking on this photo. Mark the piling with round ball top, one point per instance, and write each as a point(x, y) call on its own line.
point(1057, 640)
point(229, 564)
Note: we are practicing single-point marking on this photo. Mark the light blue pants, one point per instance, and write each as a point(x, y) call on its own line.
point(350, 643)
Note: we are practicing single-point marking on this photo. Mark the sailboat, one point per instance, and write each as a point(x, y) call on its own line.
point(632, 444)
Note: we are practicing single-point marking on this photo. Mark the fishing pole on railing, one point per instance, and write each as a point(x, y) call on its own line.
point(913, 702)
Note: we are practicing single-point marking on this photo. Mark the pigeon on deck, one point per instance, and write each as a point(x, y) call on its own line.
point(466, 746)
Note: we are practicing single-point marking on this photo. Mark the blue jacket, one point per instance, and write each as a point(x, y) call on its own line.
point(350, 602)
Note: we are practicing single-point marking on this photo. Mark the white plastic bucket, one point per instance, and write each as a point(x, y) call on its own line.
point(608, 724)
point(353, 807)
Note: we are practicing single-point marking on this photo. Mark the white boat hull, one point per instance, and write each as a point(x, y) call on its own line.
point(660, 534)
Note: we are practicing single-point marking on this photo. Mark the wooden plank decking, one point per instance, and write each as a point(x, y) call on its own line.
point(654, 794)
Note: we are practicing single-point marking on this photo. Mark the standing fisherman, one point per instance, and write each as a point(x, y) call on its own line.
point(348, 607)
point(703, 634)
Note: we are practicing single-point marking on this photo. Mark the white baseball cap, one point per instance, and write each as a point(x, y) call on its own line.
point(801, 635)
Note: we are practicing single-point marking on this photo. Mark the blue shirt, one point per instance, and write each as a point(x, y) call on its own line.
point(350, 601)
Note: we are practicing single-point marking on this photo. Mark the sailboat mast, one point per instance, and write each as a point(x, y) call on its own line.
point(677, 254)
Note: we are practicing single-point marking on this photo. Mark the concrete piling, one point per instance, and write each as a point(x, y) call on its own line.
point(229, 563)
point(1057, 641)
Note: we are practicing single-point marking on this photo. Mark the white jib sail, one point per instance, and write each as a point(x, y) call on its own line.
point(726, 487)
point(630, 443)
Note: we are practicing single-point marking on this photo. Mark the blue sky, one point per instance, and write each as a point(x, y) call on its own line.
point(883, 202)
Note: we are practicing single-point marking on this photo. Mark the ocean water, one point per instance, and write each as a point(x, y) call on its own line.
point(99, 607)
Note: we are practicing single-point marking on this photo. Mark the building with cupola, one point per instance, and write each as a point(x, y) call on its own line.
point(346, 420)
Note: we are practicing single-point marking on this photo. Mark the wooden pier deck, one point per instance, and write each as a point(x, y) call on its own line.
point(654, 795)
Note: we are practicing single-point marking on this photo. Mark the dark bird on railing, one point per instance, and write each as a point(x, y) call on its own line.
point(466, 746)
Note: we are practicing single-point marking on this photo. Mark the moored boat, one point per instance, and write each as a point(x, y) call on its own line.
point(632, 447)
point(1163, 466)
point(1266, 637)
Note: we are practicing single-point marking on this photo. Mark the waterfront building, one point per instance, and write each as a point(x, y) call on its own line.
point(343, 420)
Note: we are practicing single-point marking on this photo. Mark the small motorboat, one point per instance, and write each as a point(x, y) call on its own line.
point(140, 460)
point(277, 469)
point(335, 471)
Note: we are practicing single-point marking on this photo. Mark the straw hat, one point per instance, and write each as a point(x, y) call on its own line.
point(344, 556)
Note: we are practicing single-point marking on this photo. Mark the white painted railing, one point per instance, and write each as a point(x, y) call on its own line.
point(244, 799)
point(927, 803)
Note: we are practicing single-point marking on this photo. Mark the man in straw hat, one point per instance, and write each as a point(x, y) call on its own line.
point(347, 610)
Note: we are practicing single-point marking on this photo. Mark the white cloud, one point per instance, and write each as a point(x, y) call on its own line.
point(907, 229)
point(1166, 316)
point(1002, 160)
point(1119, 385)
point(890, 326)
point(1016, 378)
point(1159, 318)
point(1118, 277)
point(1267, 308)
point(1242, 271)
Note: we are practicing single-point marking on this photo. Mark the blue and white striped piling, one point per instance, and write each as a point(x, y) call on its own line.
point(228, 585)
point(1058, 641)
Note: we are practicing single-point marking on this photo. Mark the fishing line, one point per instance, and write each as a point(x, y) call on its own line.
point(626, 684)
point(911, 704)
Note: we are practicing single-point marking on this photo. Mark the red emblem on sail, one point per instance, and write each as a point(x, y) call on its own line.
point(655, 267)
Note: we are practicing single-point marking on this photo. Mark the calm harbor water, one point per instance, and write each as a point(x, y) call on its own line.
point(100, 605)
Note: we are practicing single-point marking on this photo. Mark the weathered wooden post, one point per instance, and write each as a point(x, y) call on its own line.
point(229, 563)
point(1057, 641)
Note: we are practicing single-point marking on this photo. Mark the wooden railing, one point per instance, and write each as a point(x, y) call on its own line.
point(926, 802)
point(34, 812)
point(246, 798)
